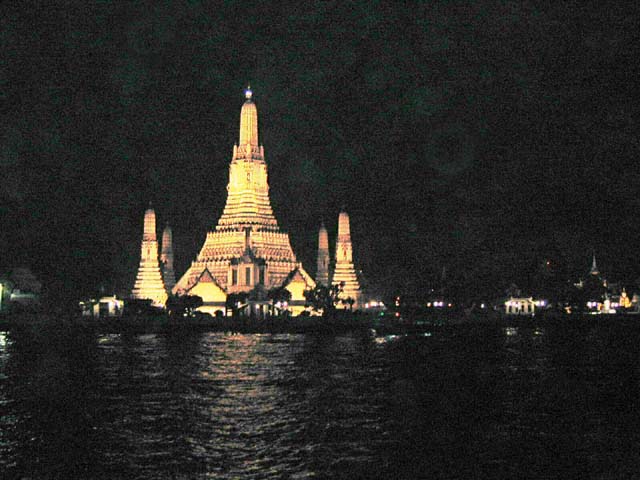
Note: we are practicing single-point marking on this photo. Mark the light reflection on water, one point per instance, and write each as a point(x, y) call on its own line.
point(451, 403)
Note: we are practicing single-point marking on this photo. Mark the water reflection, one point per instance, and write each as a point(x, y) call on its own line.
point(49, 403)
point(461, 403)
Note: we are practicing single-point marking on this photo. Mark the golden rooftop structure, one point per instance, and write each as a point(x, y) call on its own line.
point(149, 284)
point(344, 270)
point(247, 250)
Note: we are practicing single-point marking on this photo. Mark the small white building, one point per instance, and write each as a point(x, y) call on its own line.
point(374, 306)
point(104, 307)
point(520, 306)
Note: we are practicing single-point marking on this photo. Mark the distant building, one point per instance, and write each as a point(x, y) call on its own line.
point(597, 295)
point(440, 297)
point(374, 306)
point(615, 302)
point(20, 289)
point(520, 306)
point(624, 301)
point(103, 307)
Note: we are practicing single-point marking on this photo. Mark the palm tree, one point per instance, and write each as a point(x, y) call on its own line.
point(323, 299)
point(278, 295)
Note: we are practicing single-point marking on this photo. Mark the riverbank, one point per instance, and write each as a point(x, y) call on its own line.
point(294, 325)
point(164, 323)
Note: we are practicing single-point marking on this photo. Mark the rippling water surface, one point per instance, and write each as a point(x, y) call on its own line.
point(459, 402)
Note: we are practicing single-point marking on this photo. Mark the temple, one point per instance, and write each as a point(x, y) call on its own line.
point(149, 284)
point(166, 259)
point(322, 270)
point(344, 270)
point(247, 251)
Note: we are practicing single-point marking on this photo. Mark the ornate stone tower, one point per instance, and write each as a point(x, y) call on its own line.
point(247, 247)
point(149, 284)
point(166, 259)
point(322, 272)
point(344, 270)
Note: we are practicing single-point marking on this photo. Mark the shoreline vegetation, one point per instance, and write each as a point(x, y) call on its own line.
point(340, 323)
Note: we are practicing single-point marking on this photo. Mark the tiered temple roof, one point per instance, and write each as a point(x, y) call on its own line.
point(247, 223)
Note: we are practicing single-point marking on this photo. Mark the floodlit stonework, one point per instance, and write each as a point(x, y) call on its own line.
point(166, 259)
point(322, 271)
point(246, 249)
point(344, 269)
point(149, 284)
point(213, 295)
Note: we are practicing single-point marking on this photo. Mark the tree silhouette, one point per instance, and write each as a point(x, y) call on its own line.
point(278, 294)
point(183, 306)
point(323, 299)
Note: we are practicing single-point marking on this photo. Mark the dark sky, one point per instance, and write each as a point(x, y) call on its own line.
point(480, 136)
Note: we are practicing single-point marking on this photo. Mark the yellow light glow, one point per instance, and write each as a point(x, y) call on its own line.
point(247, 235)
point(344, 271)
point(149, 283)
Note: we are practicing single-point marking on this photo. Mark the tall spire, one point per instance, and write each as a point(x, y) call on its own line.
point(322, 272)
point(344, 253)
point(149, 284)
point(166, 259)
point(149, 232)
point(248, 121)
point(345, 270)
point(594, 268)
point(247, 247)
point(248, 188)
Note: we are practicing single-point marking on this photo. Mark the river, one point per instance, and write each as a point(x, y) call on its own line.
point(494, 402)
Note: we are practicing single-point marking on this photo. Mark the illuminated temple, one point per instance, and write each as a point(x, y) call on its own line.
point(149, 284)
point(247, 250)
point(345, 271)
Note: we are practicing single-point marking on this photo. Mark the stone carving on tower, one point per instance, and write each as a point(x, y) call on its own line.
point(246, 249)
point(149, 284)
point(322, 271)
point(166, 259)
point(344, 270)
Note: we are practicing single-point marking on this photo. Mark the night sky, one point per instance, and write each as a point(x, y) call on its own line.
point(484, 137)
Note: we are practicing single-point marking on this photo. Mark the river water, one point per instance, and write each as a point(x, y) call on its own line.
point(456, 402)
